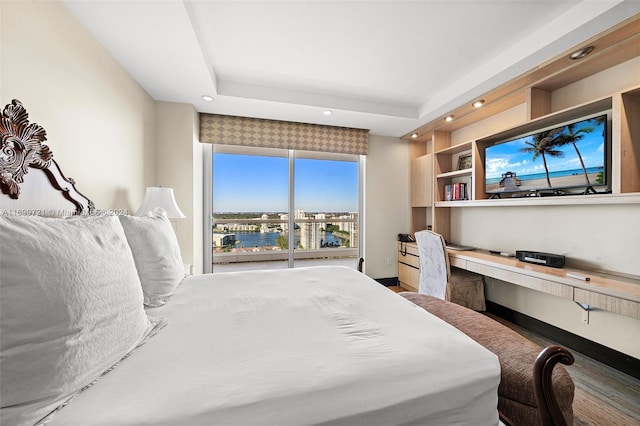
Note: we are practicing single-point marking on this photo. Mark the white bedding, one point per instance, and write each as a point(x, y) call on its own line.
point(318, 345)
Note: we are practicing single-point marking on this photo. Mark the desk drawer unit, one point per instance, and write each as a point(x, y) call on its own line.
point(408, 266)
point(609, 303)
point(458, 263)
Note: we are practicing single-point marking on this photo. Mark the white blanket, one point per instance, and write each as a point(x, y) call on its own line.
point(318, 345)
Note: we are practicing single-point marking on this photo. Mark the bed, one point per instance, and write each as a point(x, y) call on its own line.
point(100, 326)
point(316, 345)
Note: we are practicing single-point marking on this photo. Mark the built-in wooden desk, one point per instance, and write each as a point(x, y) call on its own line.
point(605, 291)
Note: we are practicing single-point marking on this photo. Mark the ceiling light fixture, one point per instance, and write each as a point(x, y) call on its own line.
point(327, 112)
point(448, 118)
point(207, 98)
point(478, 103)
point(414, 135)
point(581, 53)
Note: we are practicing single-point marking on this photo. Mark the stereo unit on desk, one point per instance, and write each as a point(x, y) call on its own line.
point(539, 258)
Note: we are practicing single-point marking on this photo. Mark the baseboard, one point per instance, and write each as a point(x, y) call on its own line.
point(388, 282)
point(615, 359)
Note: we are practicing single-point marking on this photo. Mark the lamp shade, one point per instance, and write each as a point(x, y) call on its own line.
point(157, 196)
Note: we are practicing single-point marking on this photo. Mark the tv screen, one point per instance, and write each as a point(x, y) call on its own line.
point(569, 158)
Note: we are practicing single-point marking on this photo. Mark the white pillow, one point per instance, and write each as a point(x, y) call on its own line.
point(157, 255)
point(70, 308)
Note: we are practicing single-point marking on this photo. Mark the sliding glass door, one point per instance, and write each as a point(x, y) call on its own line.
point(273, 208)
point(326, 207)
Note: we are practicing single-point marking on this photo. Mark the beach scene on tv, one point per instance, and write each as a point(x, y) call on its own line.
point(565, 157)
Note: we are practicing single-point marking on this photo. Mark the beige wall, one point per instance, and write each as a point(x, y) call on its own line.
point(100, 123)
point(386, 201)
point(102, 129)
point(179, 166)
point(602, 236)
point(595, 236)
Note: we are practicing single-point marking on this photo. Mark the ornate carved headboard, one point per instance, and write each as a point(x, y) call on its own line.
point(30, 179)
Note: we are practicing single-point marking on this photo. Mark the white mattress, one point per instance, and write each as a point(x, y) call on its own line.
point(318, 345)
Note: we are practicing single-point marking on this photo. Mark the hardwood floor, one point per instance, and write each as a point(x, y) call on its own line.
point(603, 396)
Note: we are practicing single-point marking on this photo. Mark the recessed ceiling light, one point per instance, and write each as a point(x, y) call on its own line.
point(581, 53)
point(478, 103)
point(207, 98)
point(448, 118)
point(327, 112)
point(414, 135)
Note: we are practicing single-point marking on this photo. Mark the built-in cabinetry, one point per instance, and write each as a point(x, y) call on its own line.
point(597, 232)
point(620, 295)
point(434, 157)
point(624, 110)
point(421, 182)
point(604, 291)
point(553, 93)
point(434, 153)
point(408, 266)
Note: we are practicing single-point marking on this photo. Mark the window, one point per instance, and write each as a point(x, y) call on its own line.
point(278, 208)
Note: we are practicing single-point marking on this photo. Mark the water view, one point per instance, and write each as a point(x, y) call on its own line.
point(269, 239)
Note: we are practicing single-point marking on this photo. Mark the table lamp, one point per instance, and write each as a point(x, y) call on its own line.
point(157, 196)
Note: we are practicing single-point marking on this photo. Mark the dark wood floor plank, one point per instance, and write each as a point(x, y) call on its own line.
point(604, 395)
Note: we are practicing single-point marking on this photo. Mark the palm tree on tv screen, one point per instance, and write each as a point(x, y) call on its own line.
point(602, 120)
point(544, 144)
point(573, 137)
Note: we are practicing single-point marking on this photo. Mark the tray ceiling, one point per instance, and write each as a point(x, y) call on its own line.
point(387, 66)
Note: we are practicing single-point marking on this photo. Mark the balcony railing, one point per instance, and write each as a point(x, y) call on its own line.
point(281, 255)
point(233, 253)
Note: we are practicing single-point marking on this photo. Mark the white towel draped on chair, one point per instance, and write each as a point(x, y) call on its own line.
point(439, 280)
point(434, 264)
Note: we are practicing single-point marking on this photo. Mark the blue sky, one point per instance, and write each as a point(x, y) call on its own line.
point(506, 157)
point(246, 183)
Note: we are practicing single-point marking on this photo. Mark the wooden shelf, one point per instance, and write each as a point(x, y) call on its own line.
point(594, 199)
point(456, 149)
point(552, 119)
point(456, 173)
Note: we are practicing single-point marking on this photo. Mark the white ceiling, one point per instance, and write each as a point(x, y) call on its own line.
point(387, 66)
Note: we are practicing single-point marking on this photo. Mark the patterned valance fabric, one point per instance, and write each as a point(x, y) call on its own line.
point(257, 132)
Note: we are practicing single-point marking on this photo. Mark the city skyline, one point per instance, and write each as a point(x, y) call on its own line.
point(324, 231)
point(251, 184)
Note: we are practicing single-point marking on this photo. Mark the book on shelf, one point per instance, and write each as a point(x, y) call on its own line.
point(455, 191)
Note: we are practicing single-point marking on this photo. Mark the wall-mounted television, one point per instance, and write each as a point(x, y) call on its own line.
point(569, 158)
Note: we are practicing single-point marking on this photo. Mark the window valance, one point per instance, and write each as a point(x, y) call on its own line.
point(257, 132)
